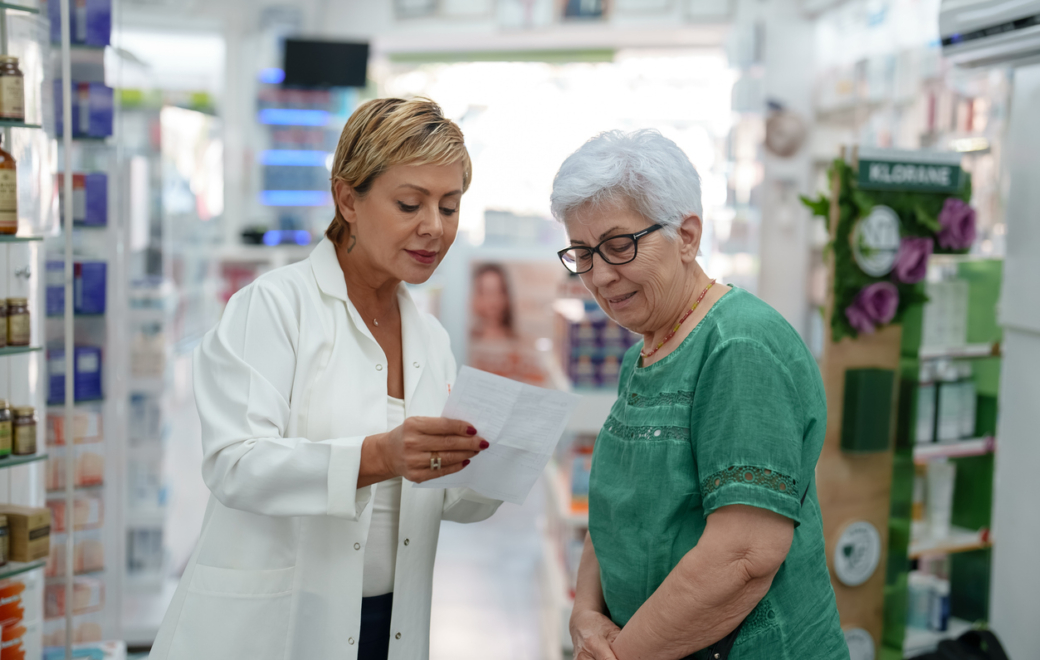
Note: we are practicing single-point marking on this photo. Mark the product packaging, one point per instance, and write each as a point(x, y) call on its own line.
point(88, 595)
point(86, 628)
point(89, 469)
point(89, 285)
point(87, 374)
point(89, 513)
point(145, 487)
point(924, 431)
point(90, 21)
point(948, 416)
point(969, 400)
point(92, 109)
point(581, 468)
point(30, 530)
point(145, 419)
point(941, 478)
point(88, 554)
point(85, 422)
point(939, 614)
point(89, 198)
point(919, 601)
point(145, 553)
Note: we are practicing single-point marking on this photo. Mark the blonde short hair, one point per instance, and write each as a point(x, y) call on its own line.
point(386, 132)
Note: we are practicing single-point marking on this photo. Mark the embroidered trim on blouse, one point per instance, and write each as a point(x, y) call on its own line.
point(762, 618)
point(626, 432)
point(755, 476)
point(662, 399)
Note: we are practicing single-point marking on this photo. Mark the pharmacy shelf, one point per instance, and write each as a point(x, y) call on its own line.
point(555, 616)
point(12, 568)
point(958, 540)
point(18, 350)
point(560, 494)
point(957, 352)
point(143, 613)
point(960, 449)
point(13, 460)
point(917, 641)
point(16, 7)
point(14, 123)
point(12, 238)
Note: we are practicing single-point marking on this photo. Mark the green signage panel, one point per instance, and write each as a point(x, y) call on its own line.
point(909, 176)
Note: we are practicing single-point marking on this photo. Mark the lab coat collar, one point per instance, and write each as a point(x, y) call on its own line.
point(414, 332)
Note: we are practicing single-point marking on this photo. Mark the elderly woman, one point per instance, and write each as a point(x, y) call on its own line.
point(705, 537)
point(320, 392)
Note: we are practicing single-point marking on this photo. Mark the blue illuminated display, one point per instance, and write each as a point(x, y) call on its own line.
point(296, 157)
point(282, 236)
point(291, 117)
point(295, 198)
point(272, 76)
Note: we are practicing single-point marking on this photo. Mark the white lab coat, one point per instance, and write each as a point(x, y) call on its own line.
point(288, 385)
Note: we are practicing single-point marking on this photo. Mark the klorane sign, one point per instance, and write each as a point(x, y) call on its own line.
point(909, 176)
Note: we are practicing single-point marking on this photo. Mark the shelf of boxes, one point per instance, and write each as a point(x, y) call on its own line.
point(960, 352)
point(957, 540)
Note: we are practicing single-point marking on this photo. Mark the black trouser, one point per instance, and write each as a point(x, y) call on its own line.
point(374, 642)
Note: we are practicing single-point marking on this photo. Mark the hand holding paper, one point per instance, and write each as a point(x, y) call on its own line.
point(523, 423)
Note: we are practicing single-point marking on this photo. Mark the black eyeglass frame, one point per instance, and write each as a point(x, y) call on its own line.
point(596, 250)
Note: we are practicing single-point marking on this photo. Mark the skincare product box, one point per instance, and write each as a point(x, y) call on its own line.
point(92, 109)
point(87, 374)
point(89, 286)
point(88, 595)
point(89, 198)
point(89, 469)
point(89, 513)
point(90, 22)
point(88, 554)
point(29, 531)
point(86, 425)
point(144, 551)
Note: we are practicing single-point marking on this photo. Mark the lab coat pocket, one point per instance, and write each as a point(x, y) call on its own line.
point(232, 613)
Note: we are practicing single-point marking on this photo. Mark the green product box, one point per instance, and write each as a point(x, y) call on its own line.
point(867, 415)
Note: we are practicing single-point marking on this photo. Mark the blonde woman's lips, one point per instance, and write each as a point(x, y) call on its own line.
point(424, 257)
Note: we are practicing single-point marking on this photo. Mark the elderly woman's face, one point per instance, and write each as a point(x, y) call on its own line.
point(408, 220)
point(642, 294)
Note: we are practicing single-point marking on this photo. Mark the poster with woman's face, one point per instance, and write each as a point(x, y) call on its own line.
point(510, 310)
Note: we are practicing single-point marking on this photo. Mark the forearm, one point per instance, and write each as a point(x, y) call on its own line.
point(588, 594)
point(701, 601)
point(374, 466)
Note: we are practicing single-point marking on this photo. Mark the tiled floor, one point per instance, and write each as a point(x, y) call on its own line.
point(486, 600)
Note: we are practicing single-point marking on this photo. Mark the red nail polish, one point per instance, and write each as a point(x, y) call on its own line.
point(471, 431)
point(484, 444)
point(465, 462)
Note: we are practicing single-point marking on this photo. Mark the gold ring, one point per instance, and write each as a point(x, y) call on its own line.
point(435, 461)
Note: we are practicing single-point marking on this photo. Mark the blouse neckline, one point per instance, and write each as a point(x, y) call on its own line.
point(688, 339)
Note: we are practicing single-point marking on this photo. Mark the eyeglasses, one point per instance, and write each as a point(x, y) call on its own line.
point(616, 250)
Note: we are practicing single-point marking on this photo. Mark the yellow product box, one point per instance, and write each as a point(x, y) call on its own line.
point(30, 531)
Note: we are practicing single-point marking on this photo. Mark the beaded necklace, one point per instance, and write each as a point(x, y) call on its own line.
point(676, 328)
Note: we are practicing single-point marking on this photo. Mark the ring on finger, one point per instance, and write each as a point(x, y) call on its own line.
point(435, 461)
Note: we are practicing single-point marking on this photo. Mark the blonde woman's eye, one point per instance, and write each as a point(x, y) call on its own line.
point(408, 208)
point(448, 212)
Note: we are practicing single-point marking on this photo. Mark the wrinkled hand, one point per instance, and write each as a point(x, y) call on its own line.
point(408, 448)
point(592, 633)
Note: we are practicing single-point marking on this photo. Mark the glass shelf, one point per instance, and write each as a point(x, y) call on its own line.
point(18, 350)
point(10, 238)
point(13, 460)
point(17, 7)
point(79, 402)
point(12, 568)
point(17, 123)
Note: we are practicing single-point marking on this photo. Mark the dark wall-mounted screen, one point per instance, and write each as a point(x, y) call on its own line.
point(325, 63)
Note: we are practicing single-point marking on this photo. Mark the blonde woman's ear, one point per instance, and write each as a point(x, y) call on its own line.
point(345, 199)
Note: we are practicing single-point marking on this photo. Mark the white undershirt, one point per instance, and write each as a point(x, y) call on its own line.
point(381, 551)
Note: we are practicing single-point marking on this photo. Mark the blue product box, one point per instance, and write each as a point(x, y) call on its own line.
point(89, 286)
point(90, 21)
point(89, 198)
point(86, 375)
point(92, 110)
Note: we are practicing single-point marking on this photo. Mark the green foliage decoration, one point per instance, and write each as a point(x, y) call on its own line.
point(918, 216)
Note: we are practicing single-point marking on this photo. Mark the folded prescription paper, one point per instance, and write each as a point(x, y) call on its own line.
point(522, 423)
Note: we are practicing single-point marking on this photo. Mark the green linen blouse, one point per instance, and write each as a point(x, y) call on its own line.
point(735, 415)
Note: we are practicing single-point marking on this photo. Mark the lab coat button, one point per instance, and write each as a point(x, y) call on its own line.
point(350, 641)
point(379, 367)
point(415, 364)
point(406, 541)
point(397, 636)
point(357, 546)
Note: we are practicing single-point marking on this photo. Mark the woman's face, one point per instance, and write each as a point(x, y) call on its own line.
point(490, 301)
point(402, 229)
point(642, 295)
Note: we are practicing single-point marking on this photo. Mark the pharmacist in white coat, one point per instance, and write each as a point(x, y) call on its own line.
point(320, 392)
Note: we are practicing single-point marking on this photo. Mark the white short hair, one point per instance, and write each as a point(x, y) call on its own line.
point(643, 168)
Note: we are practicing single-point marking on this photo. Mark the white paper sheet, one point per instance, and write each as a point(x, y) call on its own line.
point(522, 423)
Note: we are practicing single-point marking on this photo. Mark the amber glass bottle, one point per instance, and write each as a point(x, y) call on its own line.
point(8, 192)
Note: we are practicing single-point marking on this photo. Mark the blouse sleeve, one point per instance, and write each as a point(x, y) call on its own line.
point(243, 379)
point(747, 429)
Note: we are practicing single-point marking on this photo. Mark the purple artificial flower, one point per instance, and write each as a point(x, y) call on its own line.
point(912, 259)
point(875, 305)
point(957, 222)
